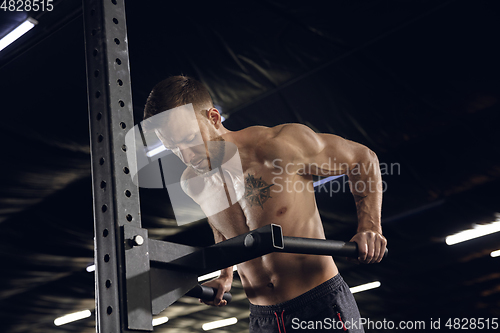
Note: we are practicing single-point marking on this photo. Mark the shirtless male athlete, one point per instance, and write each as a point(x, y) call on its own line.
point(284, 289)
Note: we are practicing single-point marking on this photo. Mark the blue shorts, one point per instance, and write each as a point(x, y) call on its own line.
point(329, 307)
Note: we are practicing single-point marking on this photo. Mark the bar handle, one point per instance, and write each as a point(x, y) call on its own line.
point(321, 247)
point(207, 293)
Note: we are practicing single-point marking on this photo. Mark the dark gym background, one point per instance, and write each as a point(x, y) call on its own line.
point(416, 81)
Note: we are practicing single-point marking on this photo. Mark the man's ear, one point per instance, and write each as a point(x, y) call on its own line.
point(214, 117)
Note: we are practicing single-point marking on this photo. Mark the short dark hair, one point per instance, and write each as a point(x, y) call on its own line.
point(177, 91)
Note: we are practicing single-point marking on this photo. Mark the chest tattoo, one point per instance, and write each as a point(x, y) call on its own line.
point(257, 191)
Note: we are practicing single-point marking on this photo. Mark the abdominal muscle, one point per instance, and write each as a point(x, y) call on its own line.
point(278, 277)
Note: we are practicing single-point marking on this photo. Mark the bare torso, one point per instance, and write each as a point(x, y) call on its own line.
point(273, 195)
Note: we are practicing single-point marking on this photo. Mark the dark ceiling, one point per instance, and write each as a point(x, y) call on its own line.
point(416, 81)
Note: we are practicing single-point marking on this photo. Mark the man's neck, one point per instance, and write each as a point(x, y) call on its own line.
point(225, 134)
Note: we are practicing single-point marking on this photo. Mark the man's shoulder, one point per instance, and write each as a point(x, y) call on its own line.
point(260, 134)
point(270, 143)
point(253, 132)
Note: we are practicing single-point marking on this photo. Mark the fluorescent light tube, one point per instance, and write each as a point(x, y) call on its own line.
point(72, 317)
point(209, 276)
point(21, 29)
point(156, 151)
point(219, 323)
point(213, 275)
point(159, 321)
point(495, 253)
point(91, 268)
point(366, 286)
point(326, 180)
point(476, 231)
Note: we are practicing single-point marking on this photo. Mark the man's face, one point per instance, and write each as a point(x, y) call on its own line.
point(191, 138)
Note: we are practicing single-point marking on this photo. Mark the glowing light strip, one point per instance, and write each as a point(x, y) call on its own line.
point(213, 275)
point(495, 254)
point(326, 180)
point(156, 151)
point(476, 231)
point(159, 321)
point(91, 268)
point(72, 317)
point(21, 29)
point(364, 287)
point(219, 323)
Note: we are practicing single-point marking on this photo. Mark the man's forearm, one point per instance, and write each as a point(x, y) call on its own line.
point(369, 211)
point(366, 186)
point(218, 237)
point(227, 273)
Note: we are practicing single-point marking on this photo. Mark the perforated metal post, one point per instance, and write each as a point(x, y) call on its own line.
point(116, 198)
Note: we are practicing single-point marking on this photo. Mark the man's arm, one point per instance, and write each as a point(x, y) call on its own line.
point(224, 281)
point(327, 155)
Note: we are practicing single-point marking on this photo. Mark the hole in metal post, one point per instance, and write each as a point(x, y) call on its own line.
point(106, 258)
point(105, 233)
point(104, 208)
point(117, 41)
point(95, 52)
point(118, 61)
point(97, 94)
point(93, 32)
point(110, 310)
point(128, 194)
point(120, 82)
point(123, 125)
point(129, 217)
point(108, 283)
point(100, 138)
point(101, 161)
point(126, 170)
point(113, 2)
point(96, 73)
point(124, 147)
point(122, 104)
point(115, 21)
point(99, 116)
point(103, 185)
